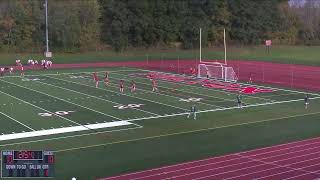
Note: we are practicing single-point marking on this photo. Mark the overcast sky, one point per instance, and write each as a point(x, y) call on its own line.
point(297, 2)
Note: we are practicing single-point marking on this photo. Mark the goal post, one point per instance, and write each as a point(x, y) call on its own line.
point(202, 60)
point(217, 71)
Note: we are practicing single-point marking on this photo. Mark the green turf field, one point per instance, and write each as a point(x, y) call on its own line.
point(98, 132)
point(307, 55)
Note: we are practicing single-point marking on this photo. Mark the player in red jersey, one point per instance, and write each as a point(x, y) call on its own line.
point(194, 72)
point(95, 78)
point(21, 71)
point(121, 84)
point(133, 86)
point(2, 71)
point(154, 85)
point(106, 79)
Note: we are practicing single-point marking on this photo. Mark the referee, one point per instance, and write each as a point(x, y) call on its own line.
point(193, 111)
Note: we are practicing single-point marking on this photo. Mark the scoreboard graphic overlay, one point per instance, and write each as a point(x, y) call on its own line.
point(27, 163)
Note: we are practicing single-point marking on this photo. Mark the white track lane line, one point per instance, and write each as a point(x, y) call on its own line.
point(220, 167)
point(303, 142)
point(246, 167)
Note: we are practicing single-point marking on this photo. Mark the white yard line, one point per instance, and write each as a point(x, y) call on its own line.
point(40, 108)
point(172, 96)
point(93, 96)
point(184, 90)
point(63, 100)
point(123, 94)
point(17, 121)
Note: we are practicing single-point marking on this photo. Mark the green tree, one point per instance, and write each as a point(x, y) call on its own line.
point(74, 24)
point(115, 26)
point(253, 21)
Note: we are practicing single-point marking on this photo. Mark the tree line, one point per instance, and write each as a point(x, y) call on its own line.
point(76, 25)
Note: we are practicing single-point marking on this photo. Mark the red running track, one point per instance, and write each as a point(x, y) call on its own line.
point(296, 160)
point(286, 75)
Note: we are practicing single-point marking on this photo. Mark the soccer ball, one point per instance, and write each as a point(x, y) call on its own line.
point(73, 178)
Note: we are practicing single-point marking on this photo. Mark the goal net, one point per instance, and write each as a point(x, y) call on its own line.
point(217, 71)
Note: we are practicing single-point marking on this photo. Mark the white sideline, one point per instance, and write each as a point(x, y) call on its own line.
point(63, 130)
point(228, 108)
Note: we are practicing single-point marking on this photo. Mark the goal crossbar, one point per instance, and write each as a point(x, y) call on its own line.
point(217, 71)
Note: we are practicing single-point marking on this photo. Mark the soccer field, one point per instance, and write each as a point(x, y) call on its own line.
point(99, 132)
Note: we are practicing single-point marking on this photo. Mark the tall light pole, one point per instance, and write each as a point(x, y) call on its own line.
point(225, 46)
point(47, 40)
point(200, 55)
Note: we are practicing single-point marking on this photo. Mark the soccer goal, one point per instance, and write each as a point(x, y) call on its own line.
point(217, 71)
